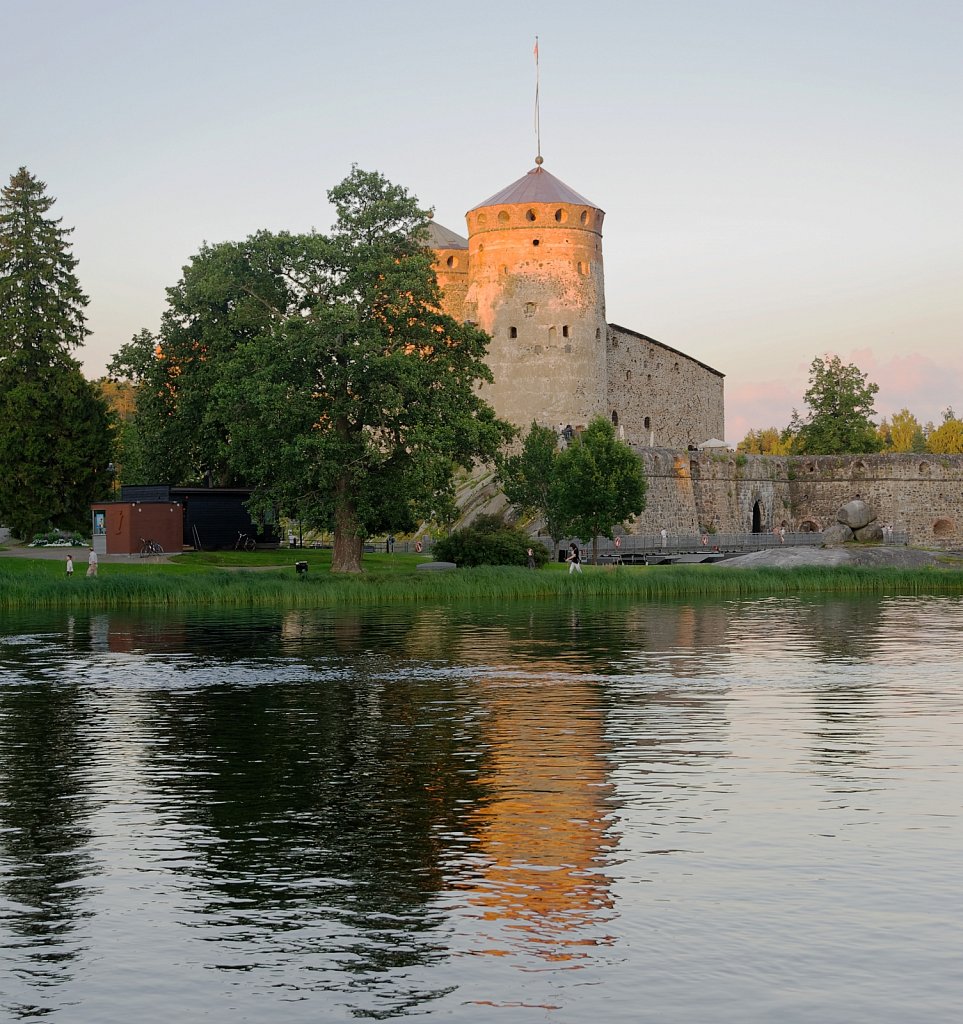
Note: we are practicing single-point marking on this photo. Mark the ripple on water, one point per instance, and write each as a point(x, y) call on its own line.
point(746, 810)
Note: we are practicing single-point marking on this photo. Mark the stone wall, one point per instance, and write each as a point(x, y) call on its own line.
point(921, 495)
point(660, 397)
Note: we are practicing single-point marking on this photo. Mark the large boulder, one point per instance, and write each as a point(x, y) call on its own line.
point(856, 514)
point(868, 534)
point(837, 534)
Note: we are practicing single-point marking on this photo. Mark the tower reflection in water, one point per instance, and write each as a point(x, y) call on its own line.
point(543, 836)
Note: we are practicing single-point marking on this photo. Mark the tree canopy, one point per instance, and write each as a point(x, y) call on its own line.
point(55, 428)
point(840, 404)
point(902, 432)
point(947, 438)
point(767, 441)
point(601, 483)
point(529, 478)
point(319, 370)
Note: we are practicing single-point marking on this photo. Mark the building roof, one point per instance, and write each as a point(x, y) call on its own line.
point(538, 186)
point(442, 238)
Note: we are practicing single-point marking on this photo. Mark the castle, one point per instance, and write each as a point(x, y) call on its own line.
point(530, 274)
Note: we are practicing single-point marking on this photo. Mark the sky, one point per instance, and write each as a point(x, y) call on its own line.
point(781, 178)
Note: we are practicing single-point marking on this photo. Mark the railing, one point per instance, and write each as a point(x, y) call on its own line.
point(636, 546)
point(639, 545)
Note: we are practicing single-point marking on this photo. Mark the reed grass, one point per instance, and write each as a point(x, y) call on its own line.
point(35, 584)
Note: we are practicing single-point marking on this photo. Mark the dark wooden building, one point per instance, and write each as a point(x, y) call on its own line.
point(214, 517)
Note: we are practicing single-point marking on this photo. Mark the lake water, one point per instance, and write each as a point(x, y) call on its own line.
point(587, 812)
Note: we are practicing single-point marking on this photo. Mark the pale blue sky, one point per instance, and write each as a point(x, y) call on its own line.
point(780, 179)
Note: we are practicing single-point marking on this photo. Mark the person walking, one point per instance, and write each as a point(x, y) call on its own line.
point(70, 566)
point(92, 564)
point(531, 558)
point(574, 559)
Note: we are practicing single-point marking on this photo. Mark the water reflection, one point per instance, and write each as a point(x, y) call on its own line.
point(46, 872)
point(544, 831)
point(443, 810)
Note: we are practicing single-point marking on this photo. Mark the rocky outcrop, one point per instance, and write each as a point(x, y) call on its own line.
point(838, 533)
point(855, 514)
point(855, 521)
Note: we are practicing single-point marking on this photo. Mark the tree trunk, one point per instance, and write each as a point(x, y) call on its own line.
point(348, 542)
point(595, 549)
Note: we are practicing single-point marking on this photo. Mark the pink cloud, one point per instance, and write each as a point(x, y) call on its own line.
point(755, 404)
point(915, 382)
point(906, 381)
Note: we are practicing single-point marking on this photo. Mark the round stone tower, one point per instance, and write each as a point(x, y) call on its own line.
point(451, 267)
point(535, 284)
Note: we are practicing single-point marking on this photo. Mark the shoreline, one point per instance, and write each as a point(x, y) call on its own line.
point(28, 582)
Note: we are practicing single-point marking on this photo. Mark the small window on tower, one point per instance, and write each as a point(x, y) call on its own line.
point(451, 261)
point(628, 374)
point(615, 418)
point(584, 217)
point(530, 215)
point(503, 217)
point(513, 332)
point(647, 423)
point(583, 268)
point(561, 216)
point(565, 330)
point(529, 309)
point(598, 337)
point(534, 241)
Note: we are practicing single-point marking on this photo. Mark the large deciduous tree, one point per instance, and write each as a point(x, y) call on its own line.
point(357, 404)
point(55, 428)
point(840, 403)
point(320, 370)
point(601, 483)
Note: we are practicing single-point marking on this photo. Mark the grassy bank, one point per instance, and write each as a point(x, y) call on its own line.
point(211, 580)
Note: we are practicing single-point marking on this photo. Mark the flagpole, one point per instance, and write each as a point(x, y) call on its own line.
point(538, 126)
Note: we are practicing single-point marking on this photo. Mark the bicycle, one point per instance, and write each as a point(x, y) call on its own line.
point(244, 542)
point(148, 546)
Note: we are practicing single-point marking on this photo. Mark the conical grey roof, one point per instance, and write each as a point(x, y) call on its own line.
point(538, 186)
point(441, 238)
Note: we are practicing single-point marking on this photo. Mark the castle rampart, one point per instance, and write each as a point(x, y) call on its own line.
point(921, 495)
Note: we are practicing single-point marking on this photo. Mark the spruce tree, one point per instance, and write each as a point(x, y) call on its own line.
point(54, 426)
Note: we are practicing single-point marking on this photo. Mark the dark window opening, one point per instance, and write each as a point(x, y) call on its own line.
point(513, 332)
point(565, 330)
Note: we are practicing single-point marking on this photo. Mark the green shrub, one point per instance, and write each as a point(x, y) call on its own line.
point(489, 541)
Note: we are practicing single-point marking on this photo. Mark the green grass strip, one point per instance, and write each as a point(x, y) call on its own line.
point(38, 584)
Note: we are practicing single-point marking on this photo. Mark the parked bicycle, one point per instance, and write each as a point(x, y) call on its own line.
point(148, 546)
point(244, 542)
